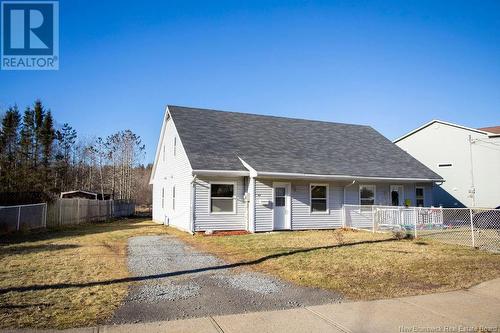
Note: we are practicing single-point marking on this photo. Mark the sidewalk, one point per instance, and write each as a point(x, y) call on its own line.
point(457, 311)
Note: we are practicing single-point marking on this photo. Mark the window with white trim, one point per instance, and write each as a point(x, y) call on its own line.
point(164, 153)
point(175, 146)
point(222, 199)
point(319, 198)
point(419, 196)
point(173, 198)
point(366, 195)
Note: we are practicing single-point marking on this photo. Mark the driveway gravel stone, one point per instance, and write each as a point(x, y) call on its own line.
point(180, 282)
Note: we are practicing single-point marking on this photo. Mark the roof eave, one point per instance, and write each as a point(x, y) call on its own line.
point(266, 174)
point(221, 173)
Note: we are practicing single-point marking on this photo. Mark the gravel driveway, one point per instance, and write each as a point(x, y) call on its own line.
point(195, 287)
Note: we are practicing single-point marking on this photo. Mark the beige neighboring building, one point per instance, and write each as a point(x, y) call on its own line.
point(468, 159)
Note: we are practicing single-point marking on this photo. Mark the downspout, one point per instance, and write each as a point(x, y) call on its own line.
point(343, 204)
point(192, 205)
point(345, 187)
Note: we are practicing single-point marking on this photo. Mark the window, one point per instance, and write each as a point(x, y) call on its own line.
point(366, 195)
point(279, 196)
point(319, 198)
point(173, 198)
point(419, 196)
point(222, 198)
point(163, 153)
point(175, 146)
point(162, 197)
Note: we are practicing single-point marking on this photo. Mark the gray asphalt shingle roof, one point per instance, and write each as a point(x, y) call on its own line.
point(213, 140)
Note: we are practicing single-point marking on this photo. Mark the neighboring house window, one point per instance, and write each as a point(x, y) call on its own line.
point(163, 153)
point(366, 195)
point(162, 197)
point(222, 198)
point(173, 198)
point(419, 196)
point(175, 146)
point(319, 198)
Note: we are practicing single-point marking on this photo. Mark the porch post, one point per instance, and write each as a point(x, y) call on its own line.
point(251, 205)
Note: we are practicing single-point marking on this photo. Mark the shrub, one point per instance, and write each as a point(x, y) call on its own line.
point(339, 236)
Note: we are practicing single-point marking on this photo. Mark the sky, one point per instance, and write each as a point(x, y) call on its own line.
point(393, 65)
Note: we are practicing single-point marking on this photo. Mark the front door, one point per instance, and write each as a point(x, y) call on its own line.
point(281, 206)
point(397, 195)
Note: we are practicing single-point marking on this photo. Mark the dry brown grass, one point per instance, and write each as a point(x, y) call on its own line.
point(87, 253)
point(368, 266)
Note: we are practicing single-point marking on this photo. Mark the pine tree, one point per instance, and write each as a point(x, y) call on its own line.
point(9, 143)
point(47, 142)
point(27, 144)
point(39, 114)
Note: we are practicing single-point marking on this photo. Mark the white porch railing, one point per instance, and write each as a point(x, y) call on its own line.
point(476, 227)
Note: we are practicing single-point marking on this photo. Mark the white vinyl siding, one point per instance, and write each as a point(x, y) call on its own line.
point(177, 173)
point(205, 220)
point(263, 205)
point(302, 219)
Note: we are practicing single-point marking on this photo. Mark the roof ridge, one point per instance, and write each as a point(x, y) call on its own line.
point(267, 116)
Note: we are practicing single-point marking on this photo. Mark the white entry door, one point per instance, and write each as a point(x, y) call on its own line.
point(281, 206)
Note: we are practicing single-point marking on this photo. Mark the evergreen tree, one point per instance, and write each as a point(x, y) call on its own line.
point(27, 144)
point(9, 143)
point(39, 114)
point(47, 136)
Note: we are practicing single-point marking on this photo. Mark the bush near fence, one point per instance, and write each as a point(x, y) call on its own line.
point(62, 212)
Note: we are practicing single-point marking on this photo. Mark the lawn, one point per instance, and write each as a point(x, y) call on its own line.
point(65, 260)
point(361, 265)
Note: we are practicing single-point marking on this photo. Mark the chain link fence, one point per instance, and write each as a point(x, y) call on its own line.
point(475, 227)
point(62, 212)
point(23, 217)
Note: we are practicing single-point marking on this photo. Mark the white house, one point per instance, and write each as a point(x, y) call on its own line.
point(218, 170)
point(467, 158)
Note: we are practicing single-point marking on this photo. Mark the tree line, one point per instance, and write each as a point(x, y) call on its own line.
point(37, 156)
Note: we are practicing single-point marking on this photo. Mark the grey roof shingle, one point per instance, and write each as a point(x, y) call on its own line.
point(213, 140)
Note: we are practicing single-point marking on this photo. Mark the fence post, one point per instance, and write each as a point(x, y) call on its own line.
point(77, 210)
point(18, 218)
point(472, 227)
point(373, 220)
point(60, 212)
point(415, 220)
point(45, 216)
point(343, 216)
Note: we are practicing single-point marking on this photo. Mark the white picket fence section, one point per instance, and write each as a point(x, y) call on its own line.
point(476, 227)
point(61, 212)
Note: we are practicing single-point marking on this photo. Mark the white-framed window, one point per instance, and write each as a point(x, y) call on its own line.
point(367, 195)
point(164, 157)
point(419, 196)
point(222, 199)
point(318, 195)
point(162, 198)
point(173, 198)
point(175, 145)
